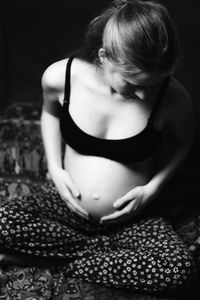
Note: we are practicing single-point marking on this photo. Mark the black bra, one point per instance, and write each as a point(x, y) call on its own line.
point(128, 150)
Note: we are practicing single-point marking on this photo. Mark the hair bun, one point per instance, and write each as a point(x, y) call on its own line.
point(119, 3)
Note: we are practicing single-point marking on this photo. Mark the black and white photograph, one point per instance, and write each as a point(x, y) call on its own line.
point(99, 150)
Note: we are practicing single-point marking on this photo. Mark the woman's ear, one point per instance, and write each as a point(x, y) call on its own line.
point(102, 55)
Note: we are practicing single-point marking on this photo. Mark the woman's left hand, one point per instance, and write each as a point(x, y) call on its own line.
point(130, 205)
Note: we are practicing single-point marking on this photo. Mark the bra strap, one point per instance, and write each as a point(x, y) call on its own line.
point(67, 81)
point(159, 99)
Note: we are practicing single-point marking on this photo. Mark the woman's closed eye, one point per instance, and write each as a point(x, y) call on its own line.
point(134, 86)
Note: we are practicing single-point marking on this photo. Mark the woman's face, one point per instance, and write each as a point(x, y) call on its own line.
point(138, 86)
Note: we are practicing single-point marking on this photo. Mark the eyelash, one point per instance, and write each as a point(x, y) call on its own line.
point(135, 86)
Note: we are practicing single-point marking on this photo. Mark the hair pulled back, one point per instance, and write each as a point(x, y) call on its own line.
point(135, 34)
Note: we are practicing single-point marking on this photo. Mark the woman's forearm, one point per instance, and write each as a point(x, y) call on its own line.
point(52, 139)
point(168, 164)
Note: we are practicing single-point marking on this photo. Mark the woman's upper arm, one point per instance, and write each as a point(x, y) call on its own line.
point(53, 86)
point(180, 116)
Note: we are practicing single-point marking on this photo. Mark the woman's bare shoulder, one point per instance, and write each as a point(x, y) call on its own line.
point(176, 101)
point(178, 94)
point(54, 76)
point(53, 79)
point(179, 109)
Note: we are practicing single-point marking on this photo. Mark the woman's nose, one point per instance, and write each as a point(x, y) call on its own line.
point(140, 93)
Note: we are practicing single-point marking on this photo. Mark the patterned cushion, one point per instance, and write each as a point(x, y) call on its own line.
point(21, 148)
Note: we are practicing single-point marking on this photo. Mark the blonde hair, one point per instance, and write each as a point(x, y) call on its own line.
point(141, 35)
point(136, 35)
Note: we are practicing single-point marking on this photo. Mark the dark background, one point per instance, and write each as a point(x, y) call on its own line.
point(36, 33)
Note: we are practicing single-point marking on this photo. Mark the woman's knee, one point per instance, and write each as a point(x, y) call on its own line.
point(185, 269)
point(178, 271)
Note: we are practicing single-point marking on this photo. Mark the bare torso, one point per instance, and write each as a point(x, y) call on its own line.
point(100, 180)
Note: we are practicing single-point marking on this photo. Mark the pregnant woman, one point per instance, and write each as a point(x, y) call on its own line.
point(127, 126)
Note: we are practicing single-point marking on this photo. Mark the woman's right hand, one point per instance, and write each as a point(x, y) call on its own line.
point(67, 190)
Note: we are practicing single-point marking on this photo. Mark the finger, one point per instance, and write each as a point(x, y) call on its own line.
point(113, 216)
point(124, 200)
point(75, 206)
point(121, 214)
point(74, 190)
point(65, 197)
point(78, 207)
point(70, 206)
point(75, 210)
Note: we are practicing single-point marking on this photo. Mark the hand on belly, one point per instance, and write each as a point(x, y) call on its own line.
point(97, 206)
point(101, 182)
point(98, 200)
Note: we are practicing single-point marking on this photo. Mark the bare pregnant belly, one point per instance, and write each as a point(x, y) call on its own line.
point(102, 181)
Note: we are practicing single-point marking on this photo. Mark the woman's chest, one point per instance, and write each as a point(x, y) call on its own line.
point(107, 117)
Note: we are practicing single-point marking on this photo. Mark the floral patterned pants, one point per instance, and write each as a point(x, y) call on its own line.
point(145, 255)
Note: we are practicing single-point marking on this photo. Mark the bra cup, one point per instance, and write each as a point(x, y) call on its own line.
point(129, 150)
